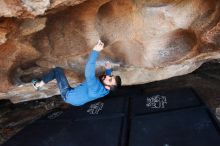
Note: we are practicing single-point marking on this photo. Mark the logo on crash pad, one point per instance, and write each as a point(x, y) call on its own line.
point(156, 101)
point(94, 109)
point(55, 115)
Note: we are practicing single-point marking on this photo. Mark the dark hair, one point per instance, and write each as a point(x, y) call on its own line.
point(118, 83)
point(113, 87)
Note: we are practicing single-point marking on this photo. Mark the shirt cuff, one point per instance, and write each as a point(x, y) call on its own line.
point(108, 72)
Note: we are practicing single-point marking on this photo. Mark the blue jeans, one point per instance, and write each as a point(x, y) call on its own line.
point(58, 74)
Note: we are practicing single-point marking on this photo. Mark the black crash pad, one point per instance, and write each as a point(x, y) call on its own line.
point(187, 127)
point(164, 100)
point(98, 109)
point(128, 120)
point(101, 132)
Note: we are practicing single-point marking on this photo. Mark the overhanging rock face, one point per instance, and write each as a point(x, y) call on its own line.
point(145, 40)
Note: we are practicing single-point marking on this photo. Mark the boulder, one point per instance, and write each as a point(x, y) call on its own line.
point(145, 41)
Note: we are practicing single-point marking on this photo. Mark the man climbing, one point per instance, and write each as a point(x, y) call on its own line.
point(92, 88)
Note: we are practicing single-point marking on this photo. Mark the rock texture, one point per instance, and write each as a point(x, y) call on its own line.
point(146, 40)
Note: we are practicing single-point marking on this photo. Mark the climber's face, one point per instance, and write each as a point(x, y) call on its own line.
point(108, 80)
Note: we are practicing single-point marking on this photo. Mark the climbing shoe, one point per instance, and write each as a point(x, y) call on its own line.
point(34, 83)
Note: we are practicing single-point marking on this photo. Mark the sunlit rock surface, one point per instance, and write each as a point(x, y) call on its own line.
point(146, 41)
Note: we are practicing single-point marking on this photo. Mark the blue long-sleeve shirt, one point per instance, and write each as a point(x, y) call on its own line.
point(91, 88)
